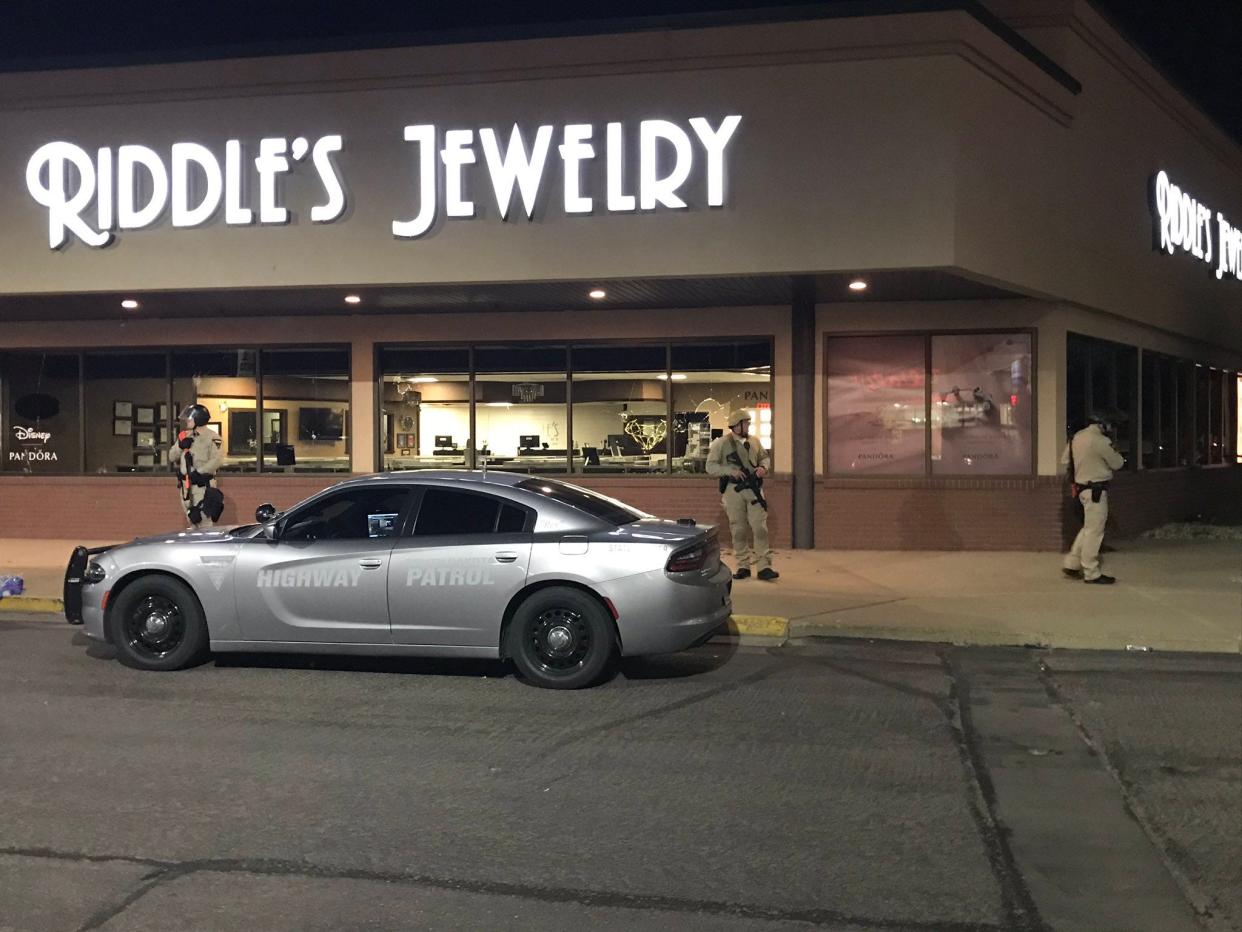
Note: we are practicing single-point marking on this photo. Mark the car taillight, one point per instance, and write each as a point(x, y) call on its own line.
point(694, 557)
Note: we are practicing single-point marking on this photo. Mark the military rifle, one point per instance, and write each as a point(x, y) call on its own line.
point(748, 481)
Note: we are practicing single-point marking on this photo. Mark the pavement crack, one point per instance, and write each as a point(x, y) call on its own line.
point(272, 867)
point(675, 706)
point(145, 885)
point(845, 670)
point(1206, 906)
point(1019, 907)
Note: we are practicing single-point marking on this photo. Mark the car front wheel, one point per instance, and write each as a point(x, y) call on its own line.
point(156, 623)
point(561, 638)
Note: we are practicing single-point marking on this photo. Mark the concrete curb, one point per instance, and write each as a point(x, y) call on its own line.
point(32, 605)
point(767, 626)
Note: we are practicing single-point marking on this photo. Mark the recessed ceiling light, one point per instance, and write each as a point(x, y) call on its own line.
point(423, 379)
point(352, 299)
point(597, 293)
point(129, 304)
point(858, 285)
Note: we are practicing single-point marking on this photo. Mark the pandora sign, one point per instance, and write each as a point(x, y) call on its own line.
point(95, 194)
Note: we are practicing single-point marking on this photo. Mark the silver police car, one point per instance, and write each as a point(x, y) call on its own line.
point(557, 578)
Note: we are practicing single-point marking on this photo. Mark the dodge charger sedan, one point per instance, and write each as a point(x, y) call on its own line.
point(556, 578)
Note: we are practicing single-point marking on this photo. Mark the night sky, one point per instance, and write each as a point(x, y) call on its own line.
point(1197, 42)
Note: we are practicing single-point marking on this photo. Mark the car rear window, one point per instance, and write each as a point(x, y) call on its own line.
point(598, 506)
point(448, 511)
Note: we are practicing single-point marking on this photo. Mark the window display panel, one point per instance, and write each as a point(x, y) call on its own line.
point(305, 422)
point(223, 381)
point(620, 408)
point(128, 420)
point(876, 405)
point(520, 412)
point(1151, 411)
point(424, 407)
point(41, 420)
point(981, 404)
point(709, 380)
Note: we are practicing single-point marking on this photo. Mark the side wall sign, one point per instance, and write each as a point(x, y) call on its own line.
point(1181, 221)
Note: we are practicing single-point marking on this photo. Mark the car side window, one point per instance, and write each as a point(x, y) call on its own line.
point(355, 514)
point(448, 511)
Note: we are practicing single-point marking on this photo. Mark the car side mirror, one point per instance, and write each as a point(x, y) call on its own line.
point(265, 512)
point(271, 531)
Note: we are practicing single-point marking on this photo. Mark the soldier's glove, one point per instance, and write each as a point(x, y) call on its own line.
point(197, 478)
point(185, 443)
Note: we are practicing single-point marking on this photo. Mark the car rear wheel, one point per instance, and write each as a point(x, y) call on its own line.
point(156, 623)
point(561, 638)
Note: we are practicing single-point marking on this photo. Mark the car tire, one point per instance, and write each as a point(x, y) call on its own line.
point(157, 623)
point(561, 638)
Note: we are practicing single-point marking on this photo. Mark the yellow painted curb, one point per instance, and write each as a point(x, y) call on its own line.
point(771, 626)
point(30, 604)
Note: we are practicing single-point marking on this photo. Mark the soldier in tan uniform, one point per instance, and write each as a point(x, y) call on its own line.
point(196, 456)
point(1094, 460)
point(746, 514)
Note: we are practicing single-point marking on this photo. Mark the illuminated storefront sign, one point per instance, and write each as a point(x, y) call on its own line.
point(1183, 222)
point(33, 446)
point(93, 195)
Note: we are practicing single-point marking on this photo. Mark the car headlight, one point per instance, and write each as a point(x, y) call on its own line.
point(94, 573)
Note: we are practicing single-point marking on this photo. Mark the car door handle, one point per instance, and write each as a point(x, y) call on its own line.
point(370, 564)
point(506, 556)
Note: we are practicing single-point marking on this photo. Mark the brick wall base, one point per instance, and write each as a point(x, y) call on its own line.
point(122, 507)
point(938, 514)
point(1143, 500)
point(850, 514)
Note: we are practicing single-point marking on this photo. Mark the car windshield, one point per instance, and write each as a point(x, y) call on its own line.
point(597, 506)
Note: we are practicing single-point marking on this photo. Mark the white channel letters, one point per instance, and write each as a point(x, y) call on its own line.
point(1183, 222)
point(133, 187)
point(94, 194)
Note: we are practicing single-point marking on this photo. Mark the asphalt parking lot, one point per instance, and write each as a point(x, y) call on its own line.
point(830, 784)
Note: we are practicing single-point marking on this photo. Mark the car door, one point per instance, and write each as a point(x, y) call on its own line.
point(451, 577)
point(325, 576)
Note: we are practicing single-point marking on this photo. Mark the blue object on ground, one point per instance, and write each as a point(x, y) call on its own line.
point(11, 585)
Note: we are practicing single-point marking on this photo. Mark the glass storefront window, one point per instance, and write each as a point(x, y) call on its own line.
point(128, 419)
point(1216, 419)
point(620, 408)
point(424, 407)
point(520, 413)
point(876, 405)
point(981, 404)
point(305, 411)
point(709, 380)
point(1166, 446)
point(1203, 416)
point(1103, 377)
point(223, 381)
point(1184, 374)
point(42, 418)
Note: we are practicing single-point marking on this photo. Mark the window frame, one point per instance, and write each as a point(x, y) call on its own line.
point(333, 492)
point(169, 352)
point(570, 343)
point(927, 336)
point(420, 494)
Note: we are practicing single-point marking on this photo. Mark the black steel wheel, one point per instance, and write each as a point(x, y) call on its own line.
point(561, 638)
point(156, 623)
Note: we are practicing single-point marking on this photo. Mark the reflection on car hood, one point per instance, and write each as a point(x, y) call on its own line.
point(208, 536)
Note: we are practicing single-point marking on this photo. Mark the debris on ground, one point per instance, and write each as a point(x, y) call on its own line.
point(11, 585)
point(1195, 530)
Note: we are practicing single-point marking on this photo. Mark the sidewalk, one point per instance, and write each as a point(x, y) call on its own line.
point(1170, 595)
